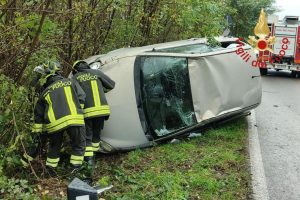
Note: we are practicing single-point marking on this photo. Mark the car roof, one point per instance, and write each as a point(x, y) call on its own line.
point(134, 51)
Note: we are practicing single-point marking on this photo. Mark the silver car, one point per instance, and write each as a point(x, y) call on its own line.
point(166, 90)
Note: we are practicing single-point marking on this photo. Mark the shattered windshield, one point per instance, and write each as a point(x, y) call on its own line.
point(166, 94)
point(191, 49)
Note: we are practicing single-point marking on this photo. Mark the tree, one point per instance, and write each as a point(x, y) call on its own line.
point(245, 14)
point(35, 31)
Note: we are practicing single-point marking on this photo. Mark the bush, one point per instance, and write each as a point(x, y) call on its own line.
point(15, 114)
point(12, 188)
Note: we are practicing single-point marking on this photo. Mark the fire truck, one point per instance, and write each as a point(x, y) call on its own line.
point(286, 49)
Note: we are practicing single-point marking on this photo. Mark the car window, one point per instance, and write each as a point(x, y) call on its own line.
point(166, 94)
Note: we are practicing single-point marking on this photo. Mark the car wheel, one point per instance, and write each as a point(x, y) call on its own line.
point(263, 71)
point(294, 74)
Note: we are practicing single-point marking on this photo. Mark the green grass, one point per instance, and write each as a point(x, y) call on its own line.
point(213, 166)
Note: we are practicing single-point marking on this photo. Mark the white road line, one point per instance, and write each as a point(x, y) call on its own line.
point(259, 184)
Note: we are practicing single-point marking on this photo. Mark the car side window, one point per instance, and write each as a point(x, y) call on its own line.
point(166, 94)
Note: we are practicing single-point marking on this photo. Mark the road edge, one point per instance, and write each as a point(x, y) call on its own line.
point(259, 184)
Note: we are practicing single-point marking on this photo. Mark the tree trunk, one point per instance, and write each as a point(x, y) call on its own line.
point(70, 33)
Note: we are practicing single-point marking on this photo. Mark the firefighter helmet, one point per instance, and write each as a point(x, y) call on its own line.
point(80, 64)
point(47, 70)
point(50, 67)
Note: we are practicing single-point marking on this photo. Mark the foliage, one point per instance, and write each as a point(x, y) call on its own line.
point(213, 42)
point(245, 15)
point(15, 113)
point(74, 29)
point(13, 188)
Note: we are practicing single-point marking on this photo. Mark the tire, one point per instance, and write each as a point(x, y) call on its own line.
point(294, 74)
point(263, 71)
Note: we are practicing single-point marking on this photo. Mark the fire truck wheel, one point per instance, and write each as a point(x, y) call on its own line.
point(263, 71)
point(294, 74)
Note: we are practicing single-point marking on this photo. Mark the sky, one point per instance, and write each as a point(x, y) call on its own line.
point(288, 7)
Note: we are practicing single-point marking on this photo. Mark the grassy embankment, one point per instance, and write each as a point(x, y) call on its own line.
point(213, 166)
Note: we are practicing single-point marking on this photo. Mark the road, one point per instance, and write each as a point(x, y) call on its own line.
point(278, 124)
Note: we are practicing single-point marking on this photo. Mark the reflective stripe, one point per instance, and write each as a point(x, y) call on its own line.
point(28, 157)
point(75, 160)
point(52, 162)
point(97, 111)
point(70, 101)
point(89, 153)
point(73, 157)
point(51, 115)
point(88, 148)
point(95, 91)
point(99, 108)
point(64, 122)
point(96, 146)
point(64, 119)
point(36, 128)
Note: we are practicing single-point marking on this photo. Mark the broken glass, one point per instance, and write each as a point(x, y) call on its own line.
point(166, 94)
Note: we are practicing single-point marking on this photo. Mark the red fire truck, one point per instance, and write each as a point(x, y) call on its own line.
point(286, 49)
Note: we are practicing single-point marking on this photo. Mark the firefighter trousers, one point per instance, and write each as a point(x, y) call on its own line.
point(93, 132)
point(77, 137)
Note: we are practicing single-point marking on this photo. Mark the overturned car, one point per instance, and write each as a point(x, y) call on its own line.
point(164, 91)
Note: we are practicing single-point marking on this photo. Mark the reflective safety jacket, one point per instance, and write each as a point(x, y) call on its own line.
point(59, 106)
point(94, 83)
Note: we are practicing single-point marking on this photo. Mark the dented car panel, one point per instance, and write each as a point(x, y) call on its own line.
point(166, 90)
point(221, 84)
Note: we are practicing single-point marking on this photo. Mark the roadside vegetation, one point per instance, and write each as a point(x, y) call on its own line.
point(35, 31)
point(212, 166)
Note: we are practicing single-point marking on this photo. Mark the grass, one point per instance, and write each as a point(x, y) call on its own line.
point(213, 166)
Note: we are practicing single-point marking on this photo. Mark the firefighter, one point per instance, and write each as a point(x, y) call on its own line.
point(59, 109)
point(96, 109)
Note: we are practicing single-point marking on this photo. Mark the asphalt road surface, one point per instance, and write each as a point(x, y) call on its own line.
point(278, 124)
